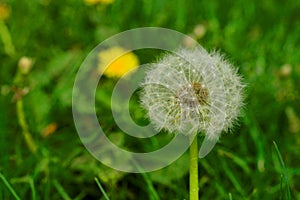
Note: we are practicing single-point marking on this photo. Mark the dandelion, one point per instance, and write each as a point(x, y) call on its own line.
point(192, 92)
point(118, 67)
point(197, 92)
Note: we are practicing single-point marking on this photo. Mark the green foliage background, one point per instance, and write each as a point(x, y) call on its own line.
point(260, 37)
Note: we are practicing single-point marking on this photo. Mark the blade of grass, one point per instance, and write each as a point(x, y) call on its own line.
point(61, 190)
point(6, 183)
point(229, 196)
point(255, 133)
point(5, 36)
point(150, 186)
point(220, 188)
point(28, 180)
point(281, 187)
point(231, 176)
point(285, 173)
point(239, 161)
point(80, 196)
point(101, 188)
point(31, 184)
point(295, 171)
point(47, 190)
point(210, 170)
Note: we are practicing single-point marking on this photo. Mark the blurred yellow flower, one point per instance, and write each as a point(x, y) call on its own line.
point(4, 11)
point(119, 66)
point(93, 2)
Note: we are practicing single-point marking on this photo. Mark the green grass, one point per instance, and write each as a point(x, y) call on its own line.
point(259, 37)
point(8, 186)
point(101, 189)
point(285, 174)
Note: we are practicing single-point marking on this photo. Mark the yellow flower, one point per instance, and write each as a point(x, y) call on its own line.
point(117, 67)
point(93, 2)
point(4, 11)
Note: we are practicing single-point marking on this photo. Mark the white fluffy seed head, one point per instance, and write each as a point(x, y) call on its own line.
point(193, 91)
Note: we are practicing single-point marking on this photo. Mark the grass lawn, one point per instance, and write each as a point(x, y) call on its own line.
point(41, 154)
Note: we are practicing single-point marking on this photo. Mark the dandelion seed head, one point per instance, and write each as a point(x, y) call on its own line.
point(191, 93)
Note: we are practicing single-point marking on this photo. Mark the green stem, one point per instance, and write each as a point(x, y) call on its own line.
point(6, 39)
point(194, 169)
point(22, 121)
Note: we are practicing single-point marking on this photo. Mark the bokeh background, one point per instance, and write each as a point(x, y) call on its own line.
point(43, 43)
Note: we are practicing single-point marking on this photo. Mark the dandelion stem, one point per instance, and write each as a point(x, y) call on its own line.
point(194, 169)
point(19, 82)
point(22, 121)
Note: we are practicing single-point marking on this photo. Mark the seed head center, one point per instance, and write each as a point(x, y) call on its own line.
point(192, 96)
